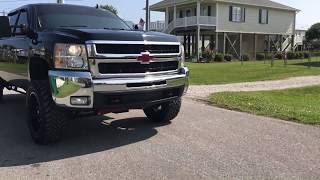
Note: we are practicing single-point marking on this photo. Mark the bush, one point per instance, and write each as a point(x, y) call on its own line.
point(299, 55)
point(260, 56)
point(208, 55)
point(219, 58)
point(291, 55)
point(316, 54)
point(228, 57)
point(270, 56)
point(278, 55)
point(306, 55)
point(245, 57)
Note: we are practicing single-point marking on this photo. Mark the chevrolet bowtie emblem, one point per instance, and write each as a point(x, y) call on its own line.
point(145, 58)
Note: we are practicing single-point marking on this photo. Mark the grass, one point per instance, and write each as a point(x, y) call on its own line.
point(299, 105)
point(234, 72)
point(20, 69)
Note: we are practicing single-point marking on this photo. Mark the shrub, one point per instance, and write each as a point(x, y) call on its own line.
point(208, 55)
point(278, 55)
point(299, 55)
point(245, 57)
point(260, 56)
point(219, 58)
point(228, 57)
point(270, 56)
point(306, 55)
point(291, 55)
point(316, 54)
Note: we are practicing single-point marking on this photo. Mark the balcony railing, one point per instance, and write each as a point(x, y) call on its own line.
point(191, 21)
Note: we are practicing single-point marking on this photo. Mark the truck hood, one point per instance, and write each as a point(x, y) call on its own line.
point(116, 35)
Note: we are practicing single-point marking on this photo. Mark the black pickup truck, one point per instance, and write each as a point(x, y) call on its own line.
point(71, 59)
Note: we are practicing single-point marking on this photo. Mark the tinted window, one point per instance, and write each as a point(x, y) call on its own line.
point(13, 20)
point(65, 16)
point(23, 19)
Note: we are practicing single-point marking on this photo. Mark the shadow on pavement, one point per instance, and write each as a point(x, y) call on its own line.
point(83, 136)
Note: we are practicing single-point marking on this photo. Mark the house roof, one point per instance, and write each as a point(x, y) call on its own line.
point(260, 3)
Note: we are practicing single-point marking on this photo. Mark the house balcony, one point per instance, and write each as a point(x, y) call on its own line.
point(208, 21)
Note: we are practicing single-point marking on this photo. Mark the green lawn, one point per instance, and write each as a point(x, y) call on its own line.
point(20, 69)
point(300, 105)
point(223, 73)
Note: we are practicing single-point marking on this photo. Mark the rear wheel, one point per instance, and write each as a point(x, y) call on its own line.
point(45, 120)
point(164, 112)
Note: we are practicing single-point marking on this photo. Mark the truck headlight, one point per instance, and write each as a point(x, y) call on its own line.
point(182, 56)
point(70, 56)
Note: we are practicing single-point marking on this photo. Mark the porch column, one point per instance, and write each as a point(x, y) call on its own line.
point(198, 12)
point(189, 45)
point(217, 42)
point(197, 44)
point(166, 18)
point(224, 43)
point(255, 46)
point(185, 43)
point(292, 42)
point(240, 45)
point(281, 43)
point(174, 14)
point(202, 45)
point(269, 43)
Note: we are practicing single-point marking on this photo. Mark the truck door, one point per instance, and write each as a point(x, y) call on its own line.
point(17, 48)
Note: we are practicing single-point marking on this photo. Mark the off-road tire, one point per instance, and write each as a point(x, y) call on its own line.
point(1, 94)
point(165, 112)
point(45, 120)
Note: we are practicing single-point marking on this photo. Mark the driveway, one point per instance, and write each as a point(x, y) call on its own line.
point(204, 142)
point(203, 91)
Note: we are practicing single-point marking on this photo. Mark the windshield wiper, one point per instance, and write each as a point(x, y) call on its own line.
point(120, 29)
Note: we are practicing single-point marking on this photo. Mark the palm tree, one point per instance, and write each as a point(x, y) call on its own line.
point(109, 8)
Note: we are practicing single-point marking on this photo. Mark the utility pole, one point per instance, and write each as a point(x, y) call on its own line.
point(147, 15)
point(60, 1)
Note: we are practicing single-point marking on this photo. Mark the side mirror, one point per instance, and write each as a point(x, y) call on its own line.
point(5, 30)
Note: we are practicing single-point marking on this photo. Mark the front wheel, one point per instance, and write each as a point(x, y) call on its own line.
point(45, 120)
point(163, 112)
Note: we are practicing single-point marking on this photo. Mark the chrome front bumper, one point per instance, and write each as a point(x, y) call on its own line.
point(70, 84)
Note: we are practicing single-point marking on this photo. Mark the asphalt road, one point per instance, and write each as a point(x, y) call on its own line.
point(202, 143)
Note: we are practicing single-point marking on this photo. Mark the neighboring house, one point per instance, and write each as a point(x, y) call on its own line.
point(157, 26)
point(234, 27)
point(300, 38)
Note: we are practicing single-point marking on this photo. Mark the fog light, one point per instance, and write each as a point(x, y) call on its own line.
point(80, 101)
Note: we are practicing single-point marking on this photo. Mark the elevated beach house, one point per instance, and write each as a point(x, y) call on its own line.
point(237, 27)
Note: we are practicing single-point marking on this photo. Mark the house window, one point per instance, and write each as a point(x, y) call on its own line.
point(237, 14)
point(181, 15)
point(188, 13)
point(263, 16)
point(204, 11)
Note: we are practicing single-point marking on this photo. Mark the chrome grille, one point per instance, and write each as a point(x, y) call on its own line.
point(120, 59)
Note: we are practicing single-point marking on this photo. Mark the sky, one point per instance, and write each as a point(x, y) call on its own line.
point(132, 9)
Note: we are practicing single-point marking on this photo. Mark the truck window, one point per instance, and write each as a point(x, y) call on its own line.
point(13, 20)
point(23, 19)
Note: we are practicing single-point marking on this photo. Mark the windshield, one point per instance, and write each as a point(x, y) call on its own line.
point(58, 16)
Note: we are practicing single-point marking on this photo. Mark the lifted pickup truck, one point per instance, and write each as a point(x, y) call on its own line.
point(70, 59)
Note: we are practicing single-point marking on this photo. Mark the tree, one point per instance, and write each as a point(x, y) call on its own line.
point(313, 37)
point(313, 34)
point(109, 8)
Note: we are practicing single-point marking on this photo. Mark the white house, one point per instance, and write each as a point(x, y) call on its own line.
point(300, 38)
point(234, 27)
